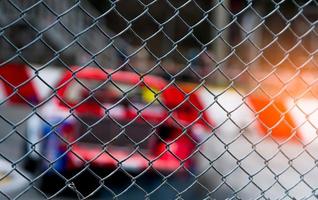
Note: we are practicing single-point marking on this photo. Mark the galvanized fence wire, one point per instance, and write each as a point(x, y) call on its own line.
point(223, 93)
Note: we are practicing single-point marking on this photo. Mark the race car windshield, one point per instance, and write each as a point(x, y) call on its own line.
point(107, 92)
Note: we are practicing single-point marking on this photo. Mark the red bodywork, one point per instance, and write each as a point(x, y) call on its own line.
point(179, 112)
point(17, 84)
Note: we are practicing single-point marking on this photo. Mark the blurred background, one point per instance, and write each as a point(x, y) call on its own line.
point(257, 47)
point(223, 42)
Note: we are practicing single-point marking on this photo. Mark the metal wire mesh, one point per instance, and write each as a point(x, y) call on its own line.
point(171, 99)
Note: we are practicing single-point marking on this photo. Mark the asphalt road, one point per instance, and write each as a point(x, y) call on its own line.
point(270, 169)
point(239, 168)
point(14, 180)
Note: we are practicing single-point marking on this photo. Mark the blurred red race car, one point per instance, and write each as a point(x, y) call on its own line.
point(114, 120)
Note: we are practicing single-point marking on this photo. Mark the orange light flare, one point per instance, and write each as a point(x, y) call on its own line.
point(285, 102)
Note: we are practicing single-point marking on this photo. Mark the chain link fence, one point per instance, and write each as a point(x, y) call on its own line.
point(147, 99)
